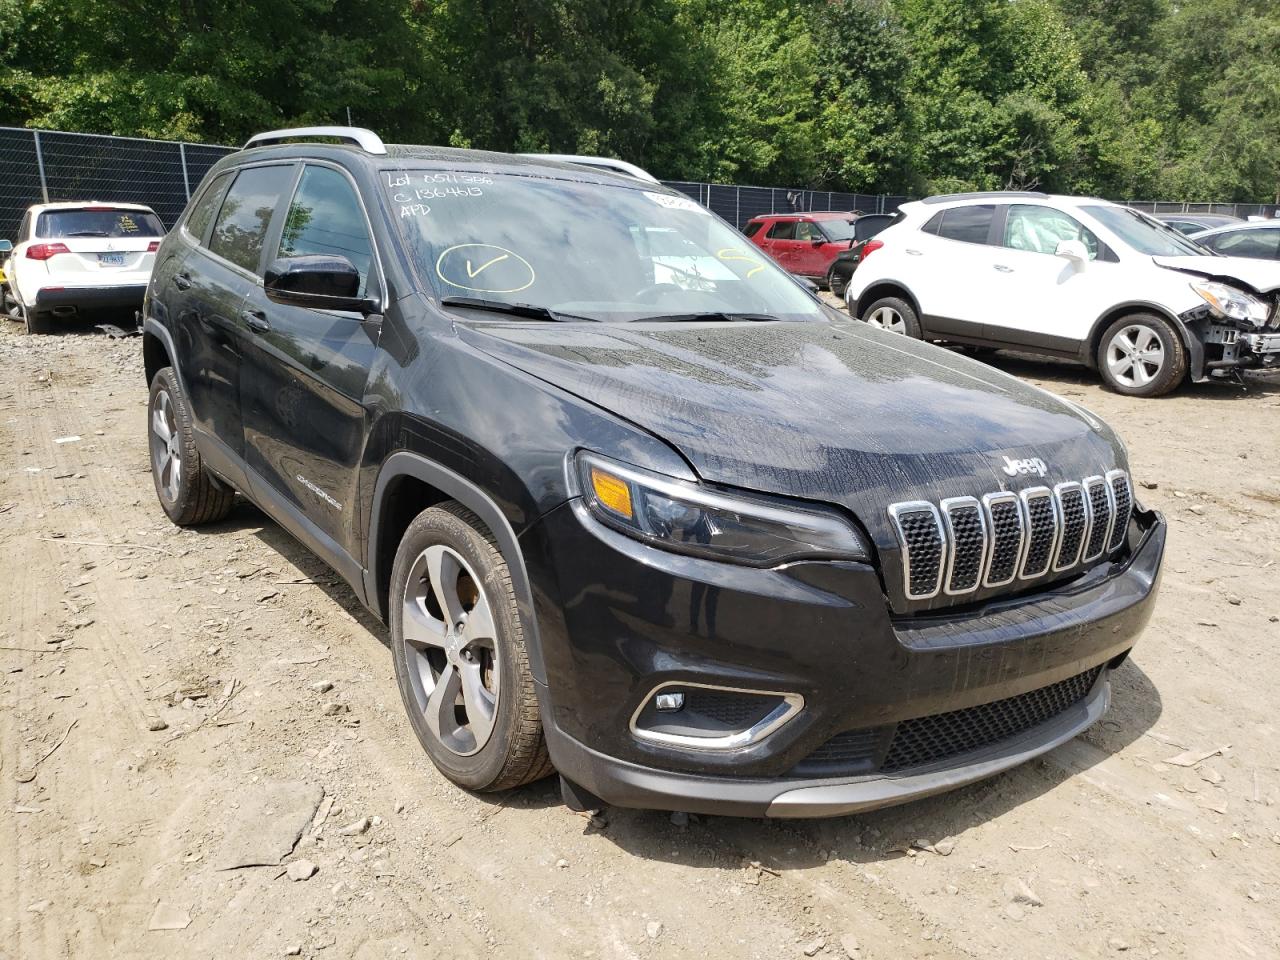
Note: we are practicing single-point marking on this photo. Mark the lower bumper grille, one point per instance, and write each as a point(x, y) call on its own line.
point(927, 740)
point(930, 739)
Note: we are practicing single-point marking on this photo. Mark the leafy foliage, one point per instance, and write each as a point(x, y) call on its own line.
point(1119, 97)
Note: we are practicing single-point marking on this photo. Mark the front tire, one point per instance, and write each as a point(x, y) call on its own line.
point(460, 657)
point(893, 314)
point(1142, 355)
point(188, 493)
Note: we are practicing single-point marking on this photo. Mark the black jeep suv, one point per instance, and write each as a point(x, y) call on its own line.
point(635, 506)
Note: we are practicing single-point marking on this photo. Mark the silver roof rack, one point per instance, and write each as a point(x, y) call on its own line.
point(600, 163)
point(366, 140)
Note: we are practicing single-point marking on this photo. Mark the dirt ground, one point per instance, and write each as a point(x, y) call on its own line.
point(112, 621)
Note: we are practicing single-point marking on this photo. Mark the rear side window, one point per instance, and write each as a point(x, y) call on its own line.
point(752, 228)
point(783, 230)
point(246, 212)
point(966, 224)
point(1259, 244)
point(325, 217)
point(99, 222)
point(198, 219)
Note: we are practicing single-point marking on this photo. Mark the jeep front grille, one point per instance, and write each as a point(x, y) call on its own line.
point(965, 543)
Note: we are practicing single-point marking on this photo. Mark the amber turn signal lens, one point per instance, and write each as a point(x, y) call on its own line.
point(612, 492)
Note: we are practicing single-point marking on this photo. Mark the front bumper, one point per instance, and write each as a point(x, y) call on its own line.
point(618, 618)
point(91, 298)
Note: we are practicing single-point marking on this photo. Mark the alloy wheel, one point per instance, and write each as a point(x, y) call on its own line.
point(1135, 355)
point(887, 318)
point(451, 649)
point(166, 446)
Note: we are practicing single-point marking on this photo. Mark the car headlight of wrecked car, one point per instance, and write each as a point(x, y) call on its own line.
point(1231, 303)
point(689, 518)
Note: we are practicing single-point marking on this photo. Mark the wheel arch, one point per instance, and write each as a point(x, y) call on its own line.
point(158, 351)
point(887, 288)
point(409, 483)
point(1089, 352)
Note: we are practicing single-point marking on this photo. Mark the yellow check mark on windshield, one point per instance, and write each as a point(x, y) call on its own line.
point(471, 274)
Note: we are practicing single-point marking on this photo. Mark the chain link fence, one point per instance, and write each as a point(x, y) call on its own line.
point(43, 166)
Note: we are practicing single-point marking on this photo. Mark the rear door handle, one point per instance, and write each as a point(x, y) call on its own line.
point(914, 253)
point(256, 319)
point(1002, 268)
point(182, 281)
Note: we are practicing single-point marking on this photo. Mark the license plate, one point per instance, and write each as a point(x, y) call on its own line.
point(111, 259)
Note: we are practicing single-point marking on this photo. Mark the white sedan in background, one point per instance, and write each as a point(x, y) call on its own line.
point(74, 258)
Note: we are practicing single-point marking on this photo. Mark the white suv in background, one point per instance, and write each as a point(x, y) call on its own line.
point(70, 258)
point(1070, 277)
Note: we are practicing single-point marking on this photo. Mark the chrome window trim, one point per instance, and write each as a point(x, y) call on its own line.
point(1114, 543)
point(916, 506)
point(1058, 491)
point(792, 704)
point(1026, 496)
point(988, 501)
point(949, 543)
point(1088, 502)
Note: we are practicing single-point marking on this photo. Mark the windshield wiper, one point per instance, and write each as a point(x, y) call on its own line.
point(712, 316)
point(88, 233)
point(530, 310)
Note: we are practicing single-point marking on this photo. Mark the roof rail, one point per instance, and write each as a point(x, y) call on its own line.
point(986, 195)
point(600, 163)
point(366, 140)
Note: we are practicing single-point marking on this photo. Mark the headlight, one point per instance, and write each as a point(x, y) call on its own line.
point(1229, 302)
point(688, 518)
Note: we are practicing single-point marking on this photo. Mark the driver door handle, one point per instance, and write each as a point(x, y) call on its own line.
point(256, 320)
point(1002, 268)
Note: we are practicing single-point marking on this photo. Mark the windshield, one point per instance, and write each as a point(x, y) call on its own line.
point(837, 229)
point(1144, 234)
point(610, 253)
point(100, 222)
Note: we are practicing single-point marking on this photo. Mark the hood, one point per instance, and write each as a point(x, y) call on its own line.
point(838, 413)
point(1261, 276)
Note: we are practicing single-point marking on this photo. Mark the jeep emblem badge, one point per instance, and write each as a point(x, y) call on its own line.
point(1030, 465)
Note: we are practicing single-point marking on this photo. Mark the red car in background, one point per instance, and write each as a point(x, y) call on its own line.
point(803, 243)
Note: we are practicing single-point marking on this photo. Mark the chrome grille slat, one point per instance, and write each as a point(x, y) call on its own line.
point(964, 544)
point(1122, 499)
point(1075, 524)
point(1044, 528)
point(1008, 537)
point(968, 536)
point(1101, 513)
point(924, 547)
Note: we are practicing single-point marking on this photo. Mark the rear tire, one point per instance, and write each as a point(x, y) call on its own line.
point(189, 494)
point(35, 323)
point(893, 314)
point(1142, 355)
point(462, 666)
point(835, 285)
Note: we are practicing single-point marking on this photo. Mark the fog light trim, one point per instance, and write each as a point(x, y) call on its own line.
point(787, 709)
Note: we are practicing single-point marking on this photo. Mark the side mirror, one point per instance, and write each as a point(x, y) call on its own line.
point(808, 285)
point(6, 246)
point(318, 282)
point(1073, 250)
point(818, 241)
